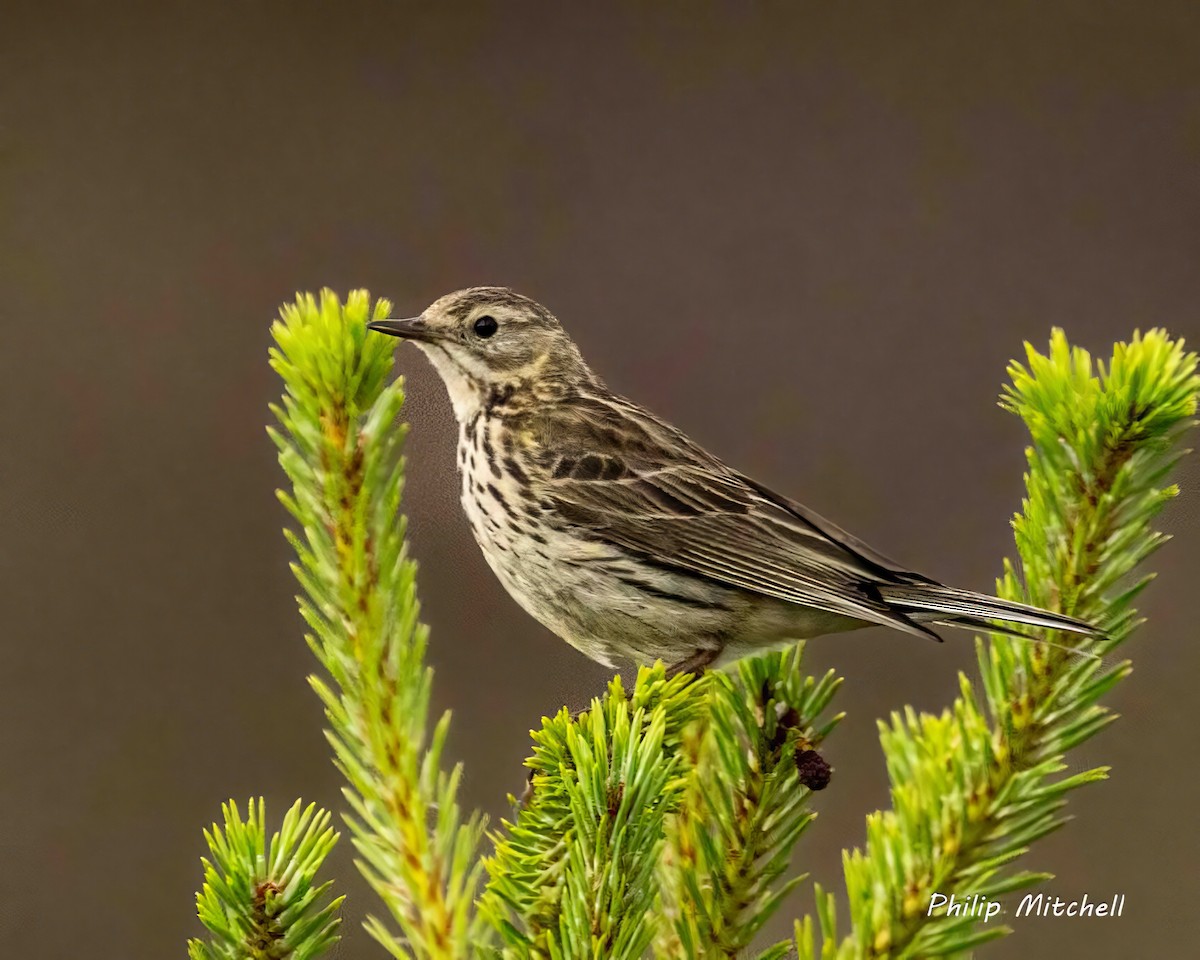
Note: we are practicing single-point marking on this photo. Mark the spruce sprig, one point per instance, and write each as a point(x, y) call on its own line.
point(341, 449)
point(975, 786)
point(683, 799)
point(573, 875)
point(260, 901)
point(754, 764)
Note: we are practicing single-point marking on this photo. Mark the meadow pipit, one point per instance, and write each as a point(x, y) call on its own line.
point(627, 539)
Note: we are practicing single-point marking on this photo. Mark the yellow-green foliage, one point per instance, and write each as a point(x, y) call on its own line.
point(662, 820)
point(973, 787)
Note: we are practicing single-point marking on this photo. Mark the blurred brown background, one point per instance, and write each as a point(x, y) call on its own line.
point(812, 237)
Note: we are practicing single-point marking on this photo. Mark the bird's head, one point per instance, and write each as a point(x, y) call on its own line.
point(487, 342)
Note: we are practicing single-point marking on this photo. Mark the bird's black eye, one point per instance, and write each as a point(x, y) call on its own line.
point(485, 326)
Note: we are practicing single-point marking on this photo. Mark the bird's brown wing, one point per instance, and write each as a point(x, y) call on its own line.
point(660, 496)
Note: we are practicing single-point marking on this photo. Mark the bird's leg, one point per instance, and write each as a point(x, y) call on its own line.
point(696, 663)
point(527, 793)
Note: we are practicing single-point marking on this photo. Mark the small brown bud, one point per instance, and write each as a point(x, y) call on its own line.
point(813, 769)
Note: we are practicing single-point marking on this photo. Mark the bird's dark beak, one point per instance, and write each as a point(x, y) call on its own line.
point(413, 328)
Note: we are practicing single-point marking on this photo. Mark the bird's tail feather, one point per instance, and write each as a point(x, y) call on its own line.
point(965, 608)
point(1007, 630)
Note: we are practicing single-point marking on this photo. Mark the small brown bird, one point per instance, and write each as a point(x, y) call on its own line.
point(627, 539)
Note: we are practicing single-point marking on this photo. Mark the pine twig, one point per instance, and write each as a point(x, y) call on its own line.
point(340, 448)
point(573, 875)
point(754, 764)
point(260, 902)
point(974, 787)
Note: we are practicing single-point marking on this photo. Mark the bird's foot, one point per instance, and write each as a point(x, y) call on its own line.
point(696, 664)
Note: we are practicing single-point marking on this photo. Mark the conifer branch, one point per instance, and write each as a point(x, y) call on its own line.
point(973, 787)
point(260, 902)
point(340, 448)
point(573, 876)
point(754, 763)
point(677, 805)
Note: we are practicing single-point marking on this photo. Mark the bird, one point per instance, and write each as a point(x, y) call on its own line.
point(632, 542)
